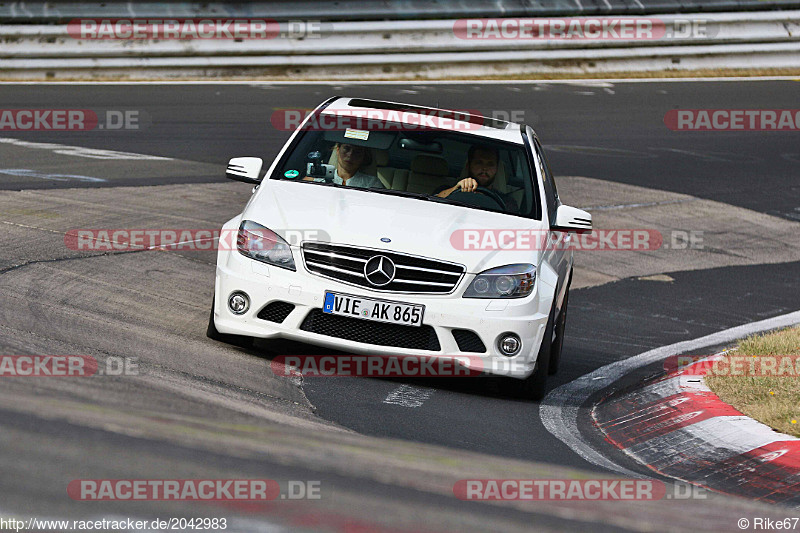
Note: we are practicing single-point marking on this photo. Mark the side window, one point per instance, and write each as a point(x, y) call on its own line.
point(550, 193)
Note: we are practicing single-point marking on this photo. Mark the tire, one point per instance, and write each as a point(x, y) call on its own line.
point(534, 387)
point(235, 340)
point(558, 344)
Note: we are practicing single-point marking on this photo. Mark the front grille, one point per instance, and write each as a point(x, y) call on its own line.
point(276, 311)
point(468, 341)
point(413, 274)
point(358, 330)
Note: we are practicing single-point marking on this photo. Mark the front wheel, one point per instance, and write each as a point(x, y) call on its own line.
point(236, 340)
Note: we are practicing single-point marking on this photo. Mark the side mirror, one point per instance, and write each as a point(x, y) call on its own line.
point(572, 219)
point(246, 169)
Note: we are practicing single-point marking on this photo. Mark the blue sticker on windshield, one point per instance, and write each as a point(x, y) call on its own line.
point(291, 174)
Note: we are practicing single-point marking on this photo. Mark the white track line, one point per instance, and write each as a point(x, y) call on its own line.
point(559, 409)
point(408, 396)
point(81, 151)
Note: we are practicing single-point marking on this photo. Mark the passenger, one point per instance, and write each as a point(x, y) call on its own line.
point(350, 162)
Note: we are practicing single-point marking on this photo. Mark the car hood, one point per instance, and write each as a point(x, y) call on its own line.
point(302, 212)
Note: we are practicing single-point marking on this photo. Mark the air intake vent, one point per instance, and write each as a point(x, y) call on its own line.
point(358, 330)
point(276, 311)
point(468, 341)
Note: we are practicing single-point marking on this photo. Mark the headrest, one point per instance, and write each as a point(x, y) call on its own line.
point(430, 164)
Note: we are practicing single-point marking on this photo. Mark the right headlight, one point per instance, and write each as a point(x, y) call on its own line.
point(262, 244)
point(510, 281)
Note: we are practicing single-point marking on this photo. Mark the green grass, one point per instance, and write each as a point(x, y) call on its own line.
point(773, 400)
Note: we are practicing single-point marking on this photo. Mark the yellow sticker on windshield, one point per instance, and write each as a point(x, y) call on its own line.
point(361, 135)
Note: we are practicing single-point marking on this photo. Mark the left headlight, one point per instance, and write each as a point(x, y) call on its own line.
point(262, 244)
point(510, 281)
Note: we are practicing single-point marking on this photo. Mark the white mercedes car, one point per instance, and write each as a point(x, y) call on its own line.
point(391, 229)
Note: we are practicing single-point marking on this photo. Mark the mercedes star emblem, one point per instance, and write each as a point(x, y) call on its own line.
point(379, 270)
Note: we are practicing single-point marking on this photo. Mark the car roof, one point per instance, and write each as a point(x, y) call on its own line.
point(477, 125)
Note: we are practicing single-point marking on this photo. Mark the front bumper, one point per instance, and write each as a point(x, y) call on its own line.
point(489, 319)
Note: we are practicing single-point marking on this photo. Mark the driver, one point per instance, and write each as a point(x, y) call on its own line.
point(350, 159)
point(482, 163)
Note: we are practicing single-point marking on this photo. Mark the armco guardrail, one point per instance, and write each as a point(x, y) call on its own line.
point(433, 48)
point(361, 10)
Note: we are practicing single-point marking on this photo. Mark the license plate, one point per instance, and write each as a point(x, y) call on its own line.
point(372, 309)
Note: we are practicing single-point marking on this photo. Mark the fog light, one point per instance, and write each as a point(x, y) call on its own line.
point(238, 303)
point(509, 344)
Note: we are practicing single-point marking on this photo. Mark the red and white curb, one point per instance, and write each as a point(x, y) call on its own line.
point(677, 427)
point(561, 410)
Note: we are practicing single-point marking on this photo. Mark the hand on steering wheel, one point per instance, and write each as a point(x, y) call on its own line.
point(471, 185)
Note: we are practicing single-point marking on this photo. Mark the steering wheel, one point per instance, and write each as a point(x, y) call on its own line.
point(493, 195)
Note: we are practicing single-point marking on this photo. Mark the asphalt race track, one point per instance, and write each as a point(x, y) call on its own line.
point(212, 413)
point(610, 131)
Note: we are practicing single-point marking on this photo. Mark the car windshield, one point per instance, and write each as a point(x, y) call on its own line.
point(427, 165)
